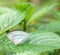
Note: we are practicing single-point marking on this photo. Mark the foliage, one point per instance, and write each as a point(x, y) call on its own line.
point(45, 41)
point(40, 41)
point(56, 15)
point(51, 26)
point(41, 12)
point(9, 19)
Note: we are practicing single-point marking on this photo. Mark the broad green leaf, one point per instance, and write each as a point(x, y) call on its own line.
point(56, 15)
point(9, 46)
point(41, 12)
point(45, 40)
point(52, 27)
point(38, 42)
point(9, 19)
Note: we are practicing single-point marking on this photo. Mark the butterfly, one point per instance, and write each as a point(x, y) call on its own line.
point(18, 37)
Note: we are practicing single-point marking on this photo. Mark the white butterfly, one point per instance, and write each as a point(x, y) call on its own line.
point(18, 37)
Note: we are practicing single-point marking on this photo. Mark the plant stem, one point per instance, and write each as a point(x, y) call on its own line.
point(24, 25)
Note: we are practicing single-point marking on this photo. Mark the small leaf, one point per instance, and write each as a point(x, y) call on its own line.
point(52, 27)
point(41, 12)
point(28, 7)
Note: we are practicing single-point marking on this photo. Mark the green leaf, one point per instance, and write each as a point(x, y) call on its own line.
point(10, 18)
point(45, 40)
point(28, 7)
point(23, 6)
point(52, 27)
point(37, 43)
point(5, 43)
point(56, 15)
point(4, 10)
point(26, 53)
point(2, 36)
point(41, 12)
